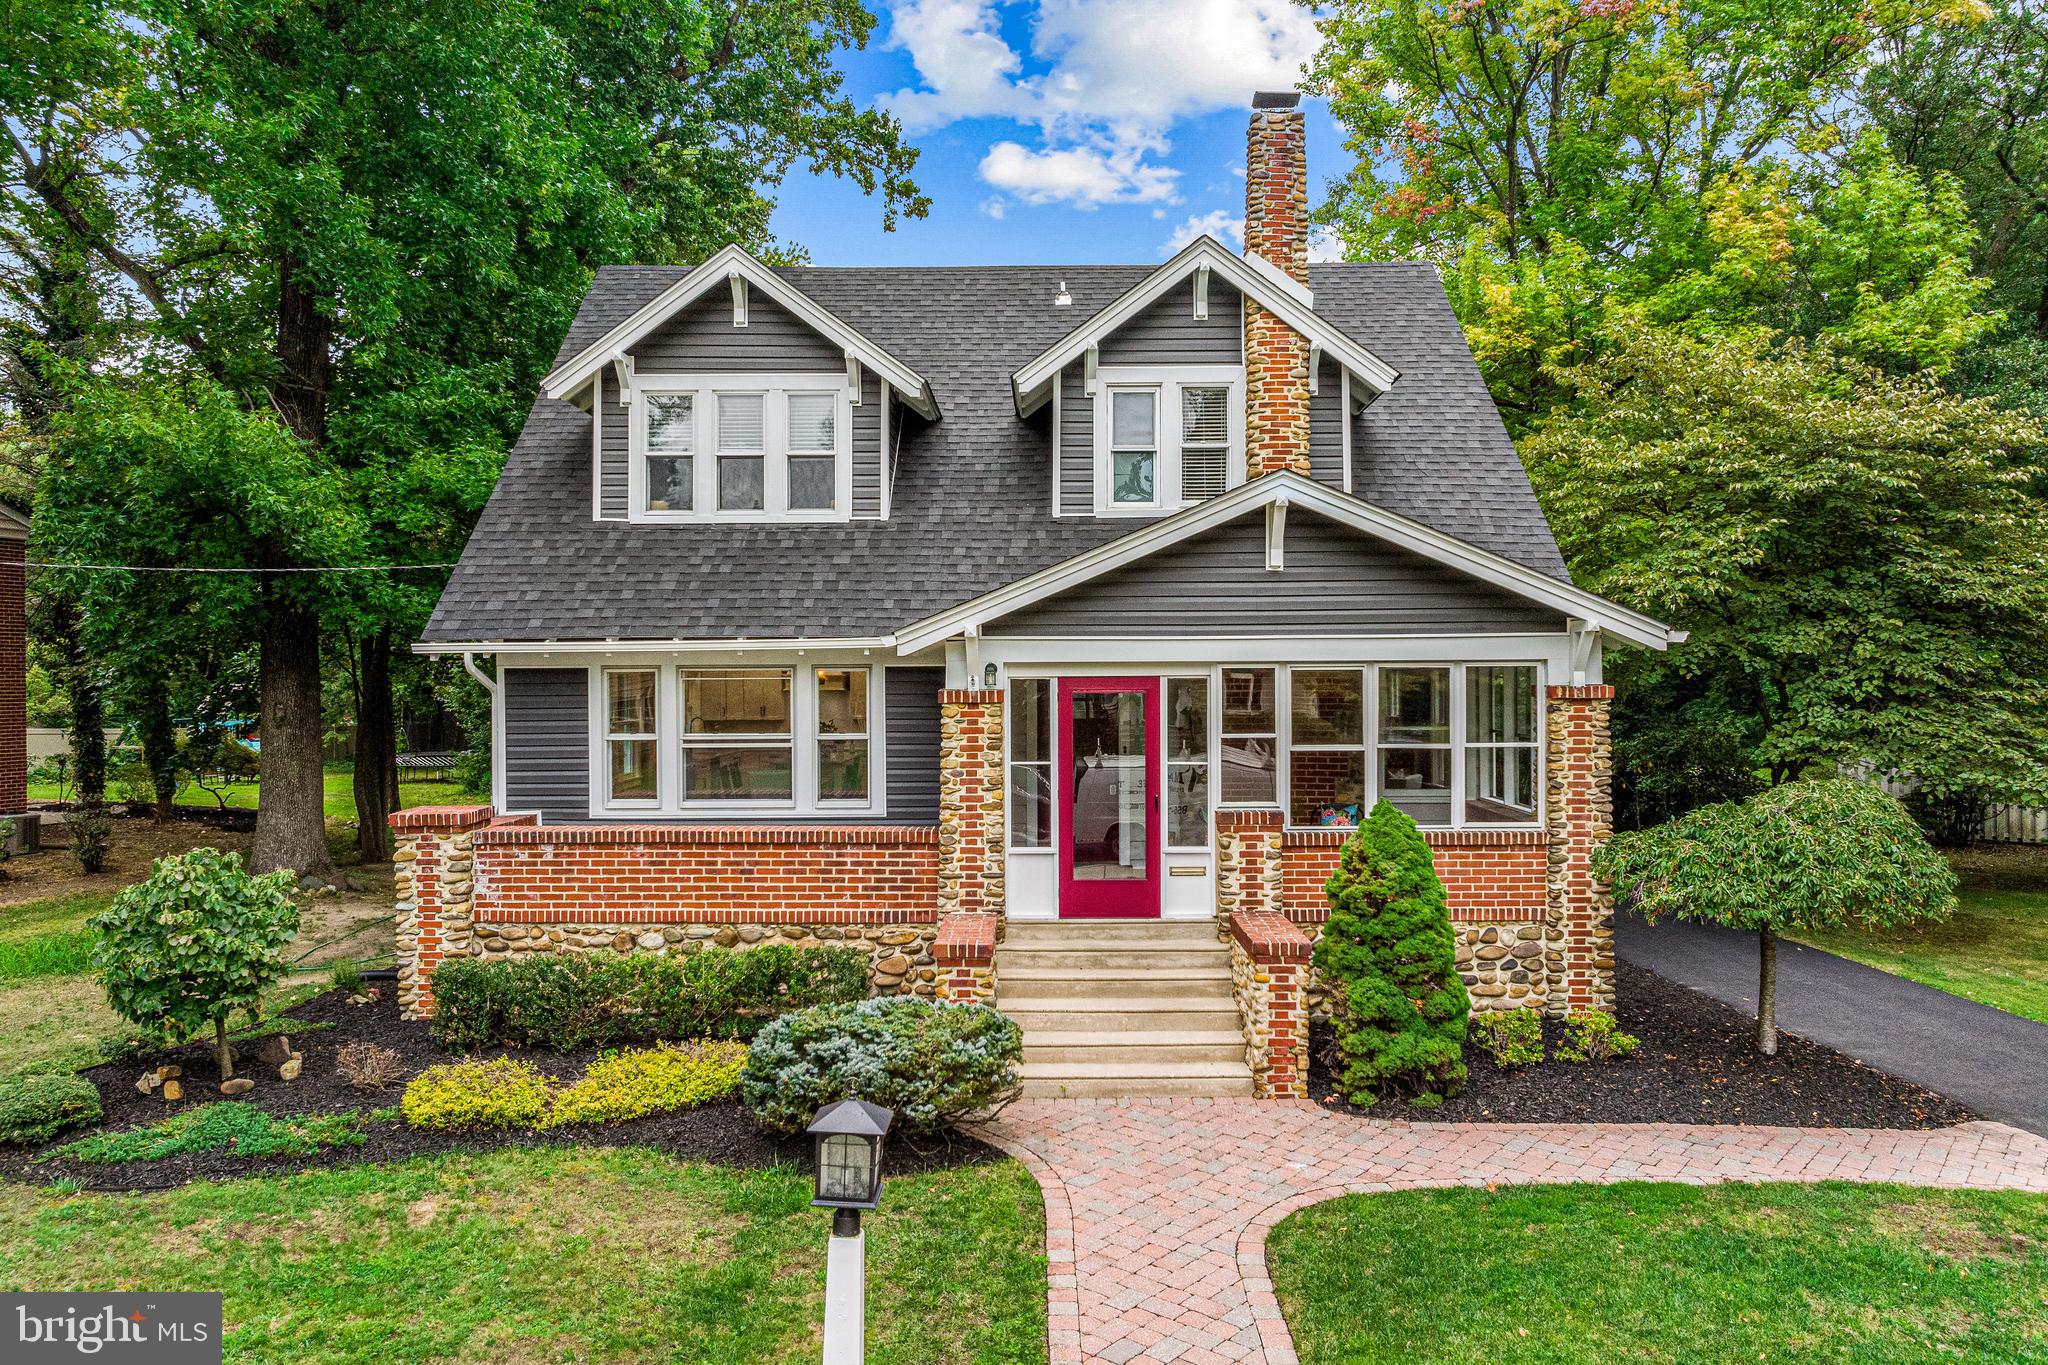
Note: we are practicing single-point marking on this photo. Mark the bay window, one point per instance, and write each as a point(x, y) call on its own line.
point(740, 447)
point(1030, 790)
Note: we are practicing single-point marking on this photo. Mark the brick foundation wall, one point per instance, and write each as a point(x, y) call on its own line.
point(1490, 876)
point(971, 835)
point(13, 678)
point(469, 885)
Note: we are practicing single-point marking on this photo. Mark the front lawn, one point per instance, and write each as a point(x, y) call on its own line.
point(1995, 949)
point(1666, 1273)
point(555, 1254)
point(339, 784)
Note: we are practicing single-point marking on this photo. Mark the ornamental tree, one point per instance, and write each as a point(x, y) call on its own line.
point(1389, 961)
point(1805, 855)
point(197, 940)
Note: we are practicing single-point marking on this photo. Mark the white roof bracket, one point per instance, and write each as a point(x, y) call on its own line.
point(1202, 292)
point(853, 376)
point(1089, 359)
point(622, 365)
point(739, 297)
point(1315, 367)
point(1276, 535)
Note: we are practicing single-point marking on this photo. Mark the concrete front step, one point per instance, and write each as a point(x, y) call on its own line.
point(1133, 1016)
point(1123, 1045)
point(1068, 932)
point(1116, 1080)
point(1116, 956)
point(1107, 985)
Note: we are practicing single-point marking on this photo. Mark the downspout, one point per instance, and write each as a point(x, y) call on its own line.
point(490, 684)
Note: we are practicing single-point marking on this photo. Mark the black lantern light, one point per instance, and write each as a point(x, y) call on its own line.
point(988, 675)
point(848, 1137)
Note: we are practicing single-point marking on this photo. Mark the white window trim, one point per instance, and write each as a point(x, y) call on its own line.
point(705, 388)
point(1167, 381)
point(804, 737)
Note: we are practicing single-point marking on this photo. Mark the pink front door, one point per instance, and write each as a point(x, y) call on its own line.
point(1108, 771)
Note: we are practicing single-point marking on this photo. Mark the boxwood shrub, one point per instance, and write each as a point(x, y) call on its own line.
point(571, 1002)
point(37, 1108)
point(931, 1063)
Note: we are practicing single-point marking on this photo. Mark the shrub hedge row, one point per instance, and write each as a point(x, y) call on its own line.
point(572, 1002)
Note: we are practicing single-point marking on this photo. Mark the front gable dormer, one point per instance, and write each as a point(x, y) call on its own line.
point(733, 397)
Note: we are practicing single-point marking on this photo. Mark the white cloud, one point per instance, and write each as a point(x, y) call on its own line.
point(1222, 224)
point(1110, 79)
point(995, 206)
point(1323, 245)
point(1086, 177)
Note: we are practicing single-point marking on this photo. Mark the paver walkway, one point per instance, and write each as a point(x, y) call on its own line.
point(1157, 1210)
point(1995, 1062)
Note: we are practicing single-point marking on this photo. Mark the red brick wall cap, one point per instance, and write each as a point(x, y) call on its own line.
point(1269, 937)
point(970, 696)
point(1249, 819)
point(965, 939)
point(440, 818)
point(1584, 692)
point(1435, 838)
point(821, 835)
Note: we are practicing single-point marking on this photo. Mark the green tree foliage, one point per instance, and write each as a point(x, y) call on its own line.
point(1857, 556)
point(1389, 961)
point(1556, 157)
point(1806, 855)
point(197, 940)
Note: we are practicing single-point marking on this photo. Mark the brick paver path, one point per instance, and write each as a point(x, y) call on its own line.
point(1157, 1210)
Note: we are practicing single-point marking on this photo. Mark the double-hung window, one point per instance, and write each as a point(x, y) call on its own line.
point(842, 765)
point(741, 447)
point(738, 742)
point(1166, 436)
point(1251, 736)
point(631, 742)
point(1500, 745)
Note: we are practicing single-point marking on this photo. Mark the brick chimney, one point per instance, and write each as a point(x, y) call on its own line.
point(1276, 228)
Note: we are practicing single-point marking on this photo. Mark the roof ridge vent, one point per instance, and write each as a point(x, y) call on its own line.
point(1063, 299)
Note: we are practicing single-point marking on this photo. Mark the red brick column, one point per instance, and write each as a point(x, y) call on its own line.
point(1580, 912)
point(965, 953)
point(1248, 861)
point(13, 677)
point(1269, 964)
point(970, 801)
point(434, 887)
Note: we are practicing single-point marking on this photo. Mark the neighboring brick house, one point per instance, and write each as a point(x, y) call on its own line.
point(1038, 631)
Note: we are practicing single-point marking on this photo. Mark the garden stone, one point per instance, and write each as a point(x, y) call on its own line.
point(172, 1091)
point(275, 1050)
point(148, 1082)
point(240, 1085)
point(289, 1071)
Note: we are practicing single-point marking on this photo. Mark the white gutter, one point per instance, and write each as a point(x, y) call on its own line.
point(470, 647)
point(469, 667)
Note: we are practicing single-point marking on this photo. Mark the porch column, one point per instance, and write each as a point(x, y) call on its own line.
point(1580, 910)
point(1247, 861)
point(433, 885)
point(970, 801)
point(1269, 968)
point(965, 953)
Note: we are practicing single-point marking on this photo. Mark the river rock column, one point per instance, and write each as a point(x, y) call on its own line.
point(434, 889)
point(1579, 911)
point(970, 801)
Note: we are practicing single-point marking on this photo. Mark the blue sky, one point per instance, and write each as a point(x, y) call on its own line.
point(1057, 131)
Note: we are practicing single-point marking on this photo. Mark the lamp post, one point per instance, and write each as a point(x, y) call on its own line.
point(847, 1142)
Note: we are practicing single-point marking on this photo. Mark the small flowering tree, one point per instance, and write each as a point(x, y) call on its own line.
point(197, 940)
point(1805, 855)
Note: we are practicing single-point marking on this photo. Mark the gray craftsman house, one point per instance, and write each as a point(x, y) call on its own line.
point(1038, 631)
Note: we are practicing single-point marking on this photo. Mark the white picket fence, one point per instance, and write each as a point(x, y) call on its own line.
point(2004, 825)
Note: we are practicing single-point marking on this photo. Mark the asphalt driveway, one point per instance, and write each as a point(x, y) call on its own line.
point(1996, 1063)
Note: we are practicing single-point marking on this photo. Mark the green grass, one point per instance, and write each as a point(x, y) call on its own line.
point(561, 1254)
point(1994, 950)
point(212, 1127)
point(339, 792)
point(1667, 1273)
point(48, 937)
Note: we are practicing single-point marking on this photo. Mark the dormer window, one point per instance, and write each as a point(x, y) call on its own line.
point(741, 448)
point(1166, 438)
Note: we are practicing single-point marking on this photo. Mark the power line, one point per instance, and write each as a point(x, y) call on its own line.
point(169, 568)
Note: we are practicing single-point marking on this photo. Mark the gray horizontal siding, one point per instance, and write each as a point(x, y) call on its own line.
point(1168, 332)
point(547, 742)
point(1326, 426)
point(911, 704)
point(867, 447)
point(1077, 445)
point(1337, 582)
point(612, 455)
point(702, 338)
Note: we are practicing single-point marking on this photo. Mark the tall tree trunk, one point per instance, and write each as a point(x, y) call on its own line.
point(88, 709)
point(1767, 993)
point(159, 733)
point(376, 779)
point(291, 819)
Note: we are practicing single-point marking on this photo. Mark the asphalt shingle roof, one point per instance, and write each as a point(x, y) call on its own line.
point(970, 509)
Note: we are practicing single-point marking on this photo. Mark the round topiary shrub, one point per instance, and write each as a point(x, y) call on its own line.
point(1390, 964)
point(37, 1108)
point(197, 940)
point(932, 1063)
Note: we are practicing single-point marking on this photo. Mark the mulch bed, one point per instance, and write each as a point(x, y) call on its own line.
point(1698, 1063)
point(722, 1134)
